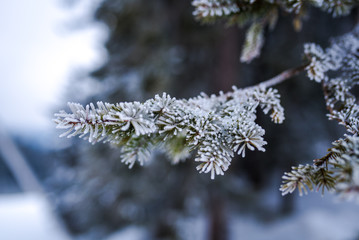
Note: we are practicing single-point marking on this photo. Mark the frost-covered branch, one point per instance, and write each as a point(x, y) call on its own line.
point(337, 70)
point(216, 126)
point(245, 10)
point(262, 13)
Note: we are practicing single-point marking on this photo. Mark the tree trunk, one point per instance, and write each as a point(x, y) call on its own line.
point(217, 218)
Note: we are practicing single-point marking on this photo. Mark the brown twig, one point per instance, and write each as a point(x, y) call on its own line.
point(283, 76)
point(273, 81)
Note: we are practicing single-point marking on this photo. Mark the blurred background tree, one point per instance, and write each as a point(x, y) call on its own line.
point(159, 47)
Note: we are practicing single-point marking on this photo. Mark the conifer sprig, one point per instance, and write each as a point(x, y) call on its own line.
point(215, 126)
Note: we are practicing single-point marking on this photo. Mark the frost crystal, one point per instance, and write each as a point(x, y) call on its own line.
point(216, 126)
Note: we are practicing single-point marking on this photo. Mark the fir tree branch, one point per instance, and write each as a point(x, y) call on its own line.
point(213, 125)
point(336, 68)
point(216, 126)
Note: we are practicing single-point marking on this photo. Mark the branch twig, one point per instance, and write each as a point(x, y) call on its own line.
point(283, 76)
point(274, 80)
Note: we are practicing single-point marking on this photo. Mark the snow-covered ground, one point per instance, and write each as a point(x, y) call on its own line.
point(27, 216)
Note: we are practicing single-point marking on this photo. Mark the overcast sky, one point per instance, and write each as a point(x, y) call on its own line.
point(39, 52)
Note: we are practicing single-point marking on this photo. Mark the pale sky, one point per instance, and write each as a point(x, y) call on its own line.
point(39, 53)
